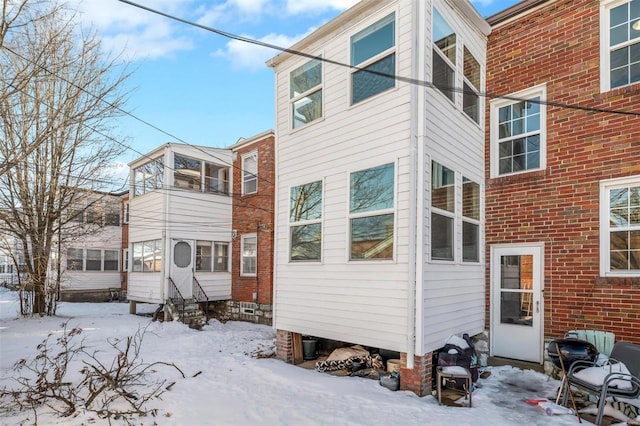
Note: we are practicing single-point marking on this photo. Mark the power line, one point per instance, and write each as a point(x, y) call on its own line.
point(396, 77)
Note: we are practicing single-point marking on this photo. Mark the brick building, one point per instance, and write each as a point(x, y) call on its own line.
point(562, 163)
point(252, 247)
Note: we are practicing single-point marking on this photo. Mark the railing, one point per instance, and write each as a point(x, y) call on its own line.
point(199, 295)
point(176, 297)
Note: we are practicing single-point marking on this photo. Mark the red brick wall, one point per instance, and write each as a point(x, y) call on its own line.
point(253, 214)
point(559, 45)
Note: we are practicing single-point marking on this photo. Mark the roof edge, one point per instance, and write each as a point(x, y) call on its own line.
point(242, 141)
point(513, 11)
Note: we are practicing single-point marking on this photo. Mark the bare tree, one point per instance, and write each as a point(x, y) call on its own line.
point(57, 104)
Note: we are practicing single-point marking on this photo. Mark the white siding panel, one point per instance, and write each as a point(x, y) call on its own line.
point(90, 280)
point(146, 216)
point(216, 285)
point(145, 287)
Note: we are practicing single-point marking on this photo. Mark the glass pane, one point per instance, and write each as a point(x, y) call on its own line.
point(533, 106)
point(519, 163)
point(366, 84)
point(619, 240)
point(249, 255)
point(444, 37)
point(373, 40)
point(186, 172)
point(307, 109)
point(157, 255)
point(306, 242)
point(619, 217)
point(618, 15)
point(470, 103)
point(443, 76)
point(372, 237)
point(94, 260)
point(471, 69)
point(618, 35)
point(533, 143)
point(533, 160)
point(306, 202)
point(634, 72)
point(634, 216)
point(516, 282)
point(372, 189)
point(506, 149)
point(182, 254)
point(619, 58)
point(504, 114)
point(441, 237)
point(306, 77)
point(517, 126)
point(203, 256)
point(519, 146)
point(111, 260)
point(221, 261)
point(505, 166)
point(533, 123)
point(443, 187)
point(470, 199)
point(74, 259)
point(470, 245)
point(619, 197)
point(137, 257)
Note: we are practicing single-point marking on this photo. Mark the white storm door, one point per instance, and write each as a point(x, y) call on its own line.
point(182, 263)
point(516, 301)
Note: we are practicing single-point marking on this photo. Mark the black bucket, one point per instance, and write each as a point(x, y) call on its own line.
point(571, 350)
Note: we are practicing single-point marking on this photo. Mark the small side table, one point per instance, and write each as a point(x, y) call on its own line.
point(450, 374)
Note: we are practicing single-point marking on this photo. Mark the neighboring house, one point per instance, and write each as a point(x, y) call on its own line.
point(91, 246)
point(379, 186)
point(124, 259)
point(180, 225)
point(252, 253)
point(12, 266)
point(563, 184)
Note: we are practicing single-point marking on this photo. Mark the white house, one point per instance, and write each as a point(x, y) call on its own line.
point(180, 225)
point(379, 187)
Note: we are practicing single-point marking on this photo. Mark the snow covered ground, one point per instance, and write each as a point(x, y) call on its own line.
point(236, 388)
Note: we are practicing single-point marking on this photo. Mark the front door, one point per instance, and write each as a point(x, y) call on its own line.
point(516, 301)
point(182, 266)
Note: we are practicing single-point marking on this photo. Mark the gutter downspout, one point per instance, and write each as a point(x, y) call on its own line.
point(413, 204)
point(165, 209)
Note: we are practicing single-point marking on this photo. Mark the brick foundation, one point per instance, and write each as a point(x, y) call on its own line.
point(284, 346)
point(418, 380)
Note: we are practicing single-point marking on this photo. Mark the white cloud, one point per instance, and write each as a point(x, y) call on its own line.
point(252, 57)
point(295, 7)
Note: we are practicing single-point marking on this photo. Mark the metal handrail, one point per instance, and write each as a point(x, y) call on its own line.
point(176, 296)
point(198, 292)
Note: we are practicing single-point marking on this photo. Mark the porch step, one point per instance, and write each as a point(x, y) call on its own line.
point(188, 313)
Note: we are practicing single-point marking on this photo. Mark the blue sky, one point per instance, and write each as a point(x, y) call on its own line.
point(197, 85)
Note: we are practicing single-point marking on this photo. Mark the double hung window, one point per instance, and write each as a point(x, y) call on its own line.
point(306, 93)
point(621, 36)
point(148, 177)
point(470, 97)
point(444, 56)
point(518, 136)
point(620, 227)
point(372, 213)
point(305, 219)
point(147, 256)
point(443, 209)
point(249, 255)
point(92, 259)
point(212, 256)
point(373, 53)
point(470, 221)
point(250, 173)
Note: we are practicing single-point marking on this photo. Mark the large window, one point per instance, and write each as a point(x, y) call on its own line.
point(147, 256)
point(621, 40)
point(373, 53)
point(305, 216)
point(470, 221)
point(212, 256)
point(443, 209)
point(372, 212)
point(249, 255)
point(470, 97)
point(250, 173)
point(444, 56)
point(148, 177)
point(620, 227)
point(306, 93)
point(518, 135)
point(198, 175)
point(92, 260)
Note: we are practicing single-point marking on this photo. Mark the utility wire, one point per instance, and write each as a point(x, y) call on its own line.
point(396, 77)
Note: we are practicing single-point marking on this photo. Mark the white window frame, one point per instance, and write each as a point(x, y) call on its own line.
point(358, 215)
point(605, 49)
point(304, 222)
point(83, 252)
point(248, 176)
point(470, 220)
point(139, 186)
point(156, 260)
point(214, 257)
point(293, 99)
point(393, 50)
point(475, 89)
point(435, 49)
point(605, 230)
point(243, 273)
point(495, 105)
point(445, 213)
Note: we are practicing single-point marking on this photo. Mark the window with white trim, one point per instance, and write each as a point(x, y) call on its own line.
point(518, 133)
point(620, 38)
point(444, 56)
point(306, 93)
point(305, 222)
point(443, 212)
point(250, 173)
point(148, 177)
point(147, 256)
point(620, 227)
point(212, 256)
point(470, 220)
point(470, 97)
point(372, 213)
point(92, 260)
point(249, 255)
point(373, 52)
